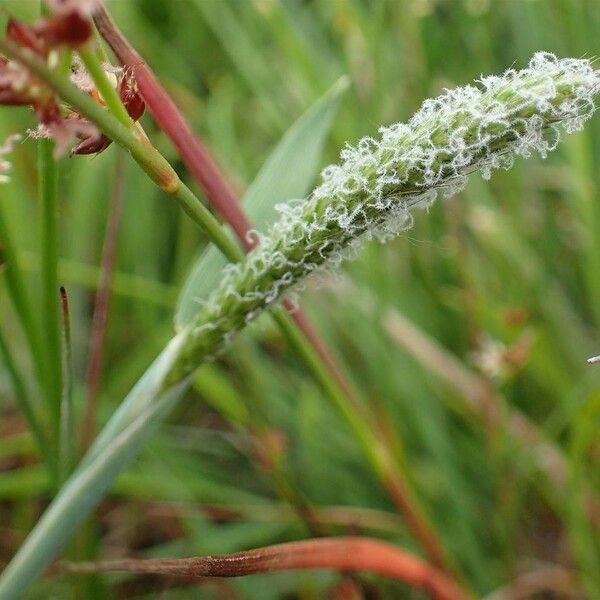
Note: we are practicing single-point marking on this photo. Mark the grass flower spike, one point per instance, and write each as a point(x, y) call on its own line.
point(378, 183)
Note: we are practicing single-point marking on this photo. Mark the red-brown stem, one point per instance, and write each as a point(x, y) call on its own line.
point(342, 553)
point(417, 523)
point(193, 152)
point(65, 313)
point(99, 318)
point(198, 160)
point(304, 324)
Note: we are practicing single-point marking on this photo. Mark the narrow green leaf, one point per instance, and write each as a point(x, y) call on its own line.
point(18, 294)
point(217, 391)
point(584, 539)
point(137, 401)
point(25, 402)
point(288, 173)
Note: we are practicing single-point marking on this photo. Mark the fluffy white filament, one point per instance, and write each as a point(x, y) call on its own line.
point(377, 184)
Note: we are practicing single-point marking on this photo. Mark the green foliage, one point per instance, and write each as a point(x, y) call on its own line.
point(286, 174)
point(504, 277)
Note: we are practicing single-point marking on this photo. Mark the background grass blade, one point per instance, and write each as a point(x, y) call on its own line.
point(122, 441)
point(510, 260)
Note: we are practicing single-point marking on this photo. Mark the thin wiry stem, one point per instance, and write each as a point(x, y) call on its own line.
point(49, 308)
point(196, 156)
point(101, 302)
point(343, 553)
point(66, 439)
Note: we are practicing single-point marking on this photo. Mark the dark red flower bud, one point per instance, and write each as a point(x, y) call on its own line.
point(17, 87)
point(92, 145)
point(47, 112)
point(8, 92)
point(92, 141)
point(72, 30)
point(130, 96)
point(25, 36)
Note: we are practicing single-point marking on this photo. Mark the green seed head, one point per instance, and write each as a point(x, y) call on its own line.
point(374, 189)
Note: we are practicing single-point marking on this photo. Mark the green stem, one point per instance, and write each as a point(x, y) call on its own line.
point(48, 189)
point(203, 217)
point(186, 198)
point(377, 453)
point(351, 414)
point(151, 161)
point(17, 292)
point(109, 93)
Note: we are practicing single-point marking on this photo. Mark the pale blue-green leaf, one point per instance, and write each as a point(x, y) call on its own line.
point(287, 173)
point(124, 436)
point(138, 399)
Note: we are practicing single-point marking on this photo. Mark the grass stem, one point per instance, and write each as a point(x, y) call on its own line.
point(101, 302)
point(48, 190)
point(17, 292)
point(105, 87)
point(342, 553)
point(377, 454)
point(67, 438)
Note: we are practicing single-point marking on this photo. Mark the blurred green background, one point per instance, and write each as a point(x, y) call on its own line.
point(467, 336)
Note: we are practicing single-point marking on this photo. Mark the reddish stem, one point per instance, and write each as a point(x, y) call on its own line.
point(99, 318)
point(401, 497)
point(342, 553)
point(198, 160)
point(193, 152)
point(66, 314)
